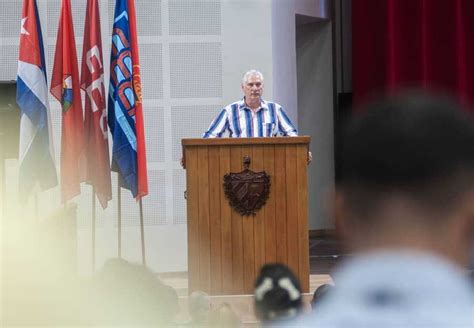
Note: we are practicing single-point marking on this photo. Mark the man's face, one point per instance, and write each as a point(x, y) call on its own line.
point(253, 88)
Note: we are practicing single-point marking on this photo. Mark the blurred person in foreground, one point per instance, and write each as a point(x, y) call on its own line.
point(277, 295)
point(224, 316)
point(199, 307)
point(405, 207)
point(320, 294)
point(128, 294)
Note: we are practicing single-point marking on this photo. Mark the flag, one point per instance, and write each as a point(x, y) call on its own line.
point(125, 112)
point(66, 89)
point(36, 148)
point(95, 118)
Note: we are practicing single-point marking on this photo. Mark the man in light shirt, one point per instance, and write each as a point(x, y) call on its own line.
point(405, 207)
point(251, 116)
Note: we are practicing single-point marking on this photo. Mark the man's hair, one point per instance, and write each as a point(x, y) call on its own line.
point(320, 293)
point(413, 144)
point(199, 305)
point(277, 293)
point(224, 316)
point(252, 72)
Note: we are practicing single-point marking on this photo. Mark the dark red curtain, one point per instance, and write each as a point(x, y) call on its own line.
point(413, 43)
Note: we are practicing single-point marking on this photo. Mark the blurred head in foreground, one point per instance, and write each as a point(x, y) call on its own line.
point(319, 294)
point(408, 177)
point(405, 206)
point(277, 293)
point(130, 295)
point(199, 305)
point(224, 316)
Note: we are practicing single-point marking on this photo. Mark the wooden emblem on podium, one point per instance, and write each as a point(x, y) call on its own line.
point(247, 191)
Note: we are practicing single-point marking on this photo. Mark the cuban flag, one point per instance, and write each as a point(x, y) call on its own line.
point(36, 148)
point(125, 113)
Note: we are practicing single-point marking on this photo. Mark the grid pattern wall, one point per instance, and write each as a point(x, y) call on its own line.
point(155, 135)
point(56, 125)
point(49, 51)
point(195, 17)
point(181, 63)
point(9, 22)
point(9, 62)
point(196, 119)
point(154, 205)
point(151, 62)
point(179, 202)
point(196, 70)
point(78, 9)
point(110, 11)
point(149, 14)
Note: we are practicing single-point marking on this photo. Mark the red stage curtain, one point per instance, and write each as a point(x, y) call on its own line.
point(413, 43)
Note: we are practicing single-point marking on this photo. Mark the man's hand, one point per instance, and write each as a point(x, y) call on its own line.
point(310, 157)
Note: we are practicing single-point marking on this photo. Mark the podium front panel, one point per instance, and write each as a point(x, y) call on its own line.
point(227, 250)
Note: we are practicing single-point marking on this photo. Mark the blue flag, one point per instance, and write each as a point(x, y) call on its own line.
point(124, 106)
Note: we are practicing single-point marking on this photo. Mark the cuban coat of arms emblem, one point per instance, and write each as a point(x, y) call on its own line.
point(247, 191)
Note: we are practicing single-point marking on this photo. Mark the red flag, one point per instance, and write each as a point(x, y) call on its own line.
point(66, 89)
point(137, 86)
point(95, 120)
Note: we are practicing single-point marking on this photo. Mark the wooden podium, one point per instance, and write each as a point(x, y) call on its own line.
point(225, 249)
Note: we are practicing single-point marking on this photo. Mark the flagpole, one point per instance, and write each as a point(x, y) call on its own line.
point(142, 230)
point(36, 207)
point(93, 228)
point(3, 175)
point(119, 218)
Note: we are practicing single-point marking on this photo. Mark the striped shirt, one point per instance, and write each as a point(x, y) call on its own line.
point(240, 121)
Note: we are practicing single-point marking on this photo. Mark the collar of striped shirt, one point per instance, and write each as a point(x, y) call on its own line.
point(243, 105)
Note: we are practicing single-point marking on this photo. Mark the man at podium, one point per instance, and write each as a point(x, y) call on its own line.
point(252, 116)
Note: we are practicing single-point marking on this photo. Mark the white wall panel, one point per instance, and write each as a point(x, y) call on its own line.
point(179, 202)
point(154, 128)
point(151, 64)
point(194, 17)
point(196, 70)
point(78, 9)
point(9, 61)
point(9, 23)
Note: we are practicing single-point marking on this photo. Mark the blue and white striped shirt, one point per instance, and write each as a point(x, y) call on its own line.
point(240, 121)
